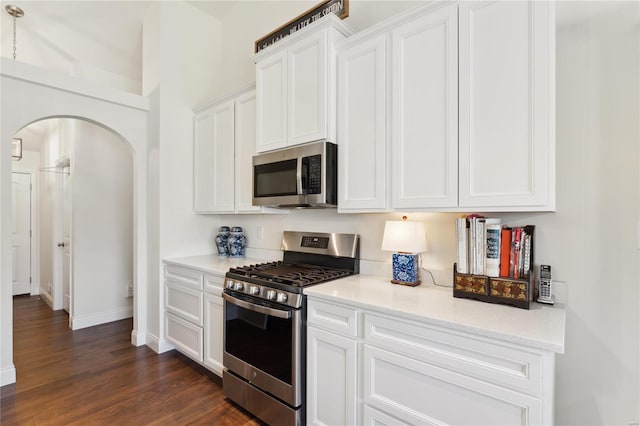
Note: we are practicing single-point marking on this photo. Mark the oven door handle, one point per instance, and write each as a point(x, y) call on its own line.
point(257, 308)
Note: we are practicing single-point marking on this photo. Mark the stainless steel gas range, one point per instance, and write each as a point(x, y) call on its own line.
point(265, 319)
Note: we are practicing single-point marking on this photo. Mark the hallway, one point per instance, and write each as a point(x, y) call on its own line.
point(95, 376)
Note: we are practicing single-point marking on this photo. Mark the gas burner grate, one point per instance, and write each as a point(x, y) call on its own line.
point(290, 274)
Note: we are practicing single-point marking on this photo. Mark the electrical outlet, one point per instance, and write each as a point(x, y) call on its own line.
point(129, 289)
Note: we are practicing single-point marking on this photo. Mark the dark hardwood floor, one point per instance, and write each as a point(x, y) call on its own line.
point(94, 376)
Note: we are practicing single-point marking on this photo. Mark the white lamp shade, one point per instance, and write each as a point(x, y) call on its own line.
point(404, 236)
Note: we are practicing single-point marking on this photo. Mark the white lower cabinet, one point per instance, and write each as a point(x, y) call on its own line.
point(331, 378)
point(213, 333)
point(185, 336)
point(409, 372)
point(193, 314)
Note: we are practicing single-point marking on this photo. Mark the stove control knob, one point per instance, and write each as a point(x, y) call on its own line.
point(238, 286)
point(254, 290)
point(229, 284)
point(282, 297)
point(271, 294)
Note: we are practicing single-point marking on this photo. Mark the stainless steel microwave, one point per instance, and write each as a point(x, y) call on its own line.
point(297, 176)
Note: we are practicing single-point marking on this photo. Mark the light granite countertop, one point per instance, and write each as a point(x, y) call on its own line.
point(540, 327)
point(211, 263)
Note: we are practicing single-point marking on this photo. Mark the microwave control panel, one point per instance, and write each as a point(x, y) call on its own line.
point(313, 166)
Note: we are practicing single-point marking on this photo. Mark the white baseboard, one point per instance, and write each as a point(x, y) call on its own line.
point(78, 322)
point(8, 376)
point(159, 345)
point(47, 298)
point(137, 339)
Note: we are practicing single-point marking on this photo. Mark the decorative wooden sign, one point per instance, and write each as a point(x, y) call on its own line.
point(338, 7)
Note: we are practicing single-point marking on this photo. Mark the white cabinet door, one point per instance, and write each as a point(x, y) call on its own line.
point(362, 110)
point(507, 140)
point(425, 122)
point(245, 149)
point(422, 393)
point(307, 89)
point(271, 98)
point(213, 159)
point(203, 170)
point(331, 378)
point(213, 329)
point(184, 335)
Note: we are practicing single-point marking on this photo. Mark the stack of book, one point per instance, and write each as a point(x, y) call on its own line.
point(487, 247)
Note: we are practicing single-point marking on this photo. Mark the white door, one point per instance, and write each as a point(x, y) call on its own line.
point(507, 141)
point(65, 243)
point(307, 90)
point(245, 115)
point(271, 101)
point(21, 235)
point(362, 114)
point(424, 146)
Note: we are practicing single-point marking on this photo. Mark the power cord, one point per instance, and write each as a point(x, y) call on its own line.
point(431, 275)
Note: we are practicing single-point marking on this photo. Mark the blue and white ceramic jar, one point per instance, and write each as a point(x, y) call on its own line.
point(222, 241)
point(237, 242)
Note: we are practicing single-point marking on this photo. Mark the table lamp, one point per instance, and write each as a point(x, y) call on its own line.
point(408, 239)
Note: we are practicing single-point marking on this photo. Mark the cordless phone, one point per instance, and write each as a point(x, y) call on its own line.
point(544, 287)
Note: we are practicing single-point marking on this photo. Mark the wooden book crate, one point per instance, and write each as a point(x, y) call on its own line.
point(505, 291)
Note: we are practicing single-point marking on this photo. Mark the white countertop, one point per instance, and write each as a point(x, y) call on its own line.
point(211, 263)
point(540, 327)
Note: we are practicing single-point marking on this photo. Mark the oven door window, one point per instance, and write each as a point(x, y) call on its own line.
point(262, 340)
point(275, 179)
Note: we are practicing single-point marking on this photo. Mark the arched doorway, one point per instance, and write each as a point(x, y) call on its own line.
point(83, 210)
point(30, 94)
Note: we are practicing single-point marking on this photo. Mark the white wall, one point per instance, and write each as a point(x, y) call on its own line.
point(102, 226)
point(181, 50)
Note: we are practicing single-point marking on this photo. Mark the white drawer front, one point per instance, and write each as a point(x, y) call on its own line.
point(183, 276)
point(373, 417)
point(185, 336)
point(496, 363)
point(339, 319)
point(184, 302)
point(423, 394)
point(213, 284)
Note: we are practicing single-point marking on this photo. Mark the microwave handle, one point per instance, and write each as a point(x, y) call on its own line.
point(299, 179)
point(257, 308)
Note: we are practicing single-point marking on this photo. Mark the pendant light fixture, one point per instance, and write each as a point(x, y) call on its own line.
point(16, 12)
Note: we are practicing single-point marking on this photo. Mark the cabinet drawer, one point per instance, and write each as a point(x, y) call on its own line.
point(213, 284)
point(184, 302)
point(337, 318)
point(373, 417)
point(183, 276)
point(421, 393)
point(185, 336)
point(490, 361)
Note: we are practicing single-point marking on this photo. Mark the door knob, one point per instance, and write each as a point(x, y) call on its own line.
point(61, 244)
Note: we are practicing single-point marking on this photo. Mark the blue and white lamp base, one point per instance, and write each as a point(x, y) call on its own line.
point(406, 269)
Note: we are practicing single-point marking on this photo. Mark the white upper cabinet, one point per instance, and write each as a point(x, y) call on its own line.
point(307, 85)
point(224, 143)
point(507, 105)
point(362, 109)
point(424, 147)
point(213, 158)
point(295, 83)
point(454, 112)
point(245, 146)
point(271, 87)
